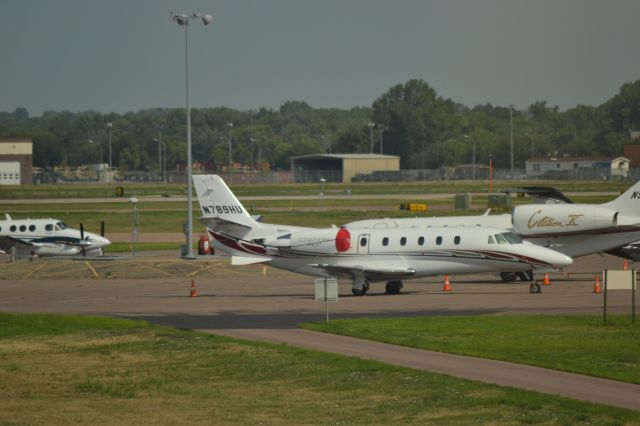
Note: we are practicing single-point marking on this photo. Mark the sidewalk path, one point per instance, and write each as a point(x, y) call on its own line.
point(576, 386)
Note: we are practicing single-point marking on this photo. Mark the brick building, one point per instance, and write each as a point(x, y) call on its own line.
point(16, 161)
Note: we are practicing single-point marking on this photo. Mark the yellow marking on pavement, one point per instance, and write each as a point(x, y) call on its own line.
point(213, 265)
point(33, 271)
point(93, 271)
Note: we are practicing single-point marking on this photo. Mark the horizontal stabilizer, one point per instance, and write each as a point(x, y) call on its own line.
point(247, 260)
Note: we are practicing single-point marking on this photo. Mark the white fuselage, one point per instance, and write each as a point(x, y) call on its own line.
point(386, 253)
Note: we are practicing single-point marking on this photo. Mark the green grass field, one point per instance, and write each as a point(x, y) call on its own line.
point(427, 187)
point(580, 344)
point(75, 370)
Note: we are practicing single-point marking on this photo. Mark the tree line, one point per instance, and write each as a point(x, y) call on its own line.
point(409, 120)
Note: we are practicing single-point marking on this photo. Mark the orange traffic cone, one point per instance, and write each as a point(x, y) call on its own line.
point(625, 265)
point(596, 287)
point(447, 285)
point(193, 293)
point(546, 281)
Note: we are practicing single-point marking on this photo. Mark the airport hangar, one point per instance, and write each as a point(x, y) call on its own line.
point(16, 161)
point(340, 167)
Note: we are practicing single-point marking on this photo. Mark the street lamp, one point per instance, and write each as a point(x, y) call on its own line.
point(91, 141)
point(229, 126)
point(109, 126)
point(533, 146)
point(371, 126)
point(381, 133)
point(474, 156)
point(183, 20)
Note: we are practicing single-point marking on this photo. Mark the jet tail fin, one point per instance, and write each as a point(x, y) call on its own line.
point(220, 208)
point(628, 203)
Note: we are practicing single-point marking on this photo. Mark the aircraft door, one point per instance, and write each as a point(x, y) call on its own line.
point(363, 243)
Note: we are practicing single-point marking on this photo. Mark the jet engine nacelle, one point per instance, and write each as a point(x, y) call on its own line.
point(561, 218)
point(321, 241)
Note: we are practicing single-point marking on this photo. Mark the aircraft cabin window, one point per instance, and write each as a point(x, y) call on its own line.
point(385, 241)
point(48, 227)
point(456, 240)
point(403, 241)
point(32, 228)
point(439, 240)
point(421, 241)
point(491, 240)
point(363, 242)
point(23, 228)
point(501, 240)
point(12, 228)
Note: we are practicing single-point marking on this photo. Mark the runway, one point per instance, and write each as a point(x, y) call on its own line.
point(241, 302)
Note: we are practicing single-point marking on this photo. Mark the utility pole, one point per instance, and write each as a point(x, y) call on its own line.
point(371, 126)
point(511, 135)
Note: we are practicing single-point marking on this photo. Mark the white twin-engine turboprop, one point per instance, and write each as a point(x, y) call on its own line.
point(48, 237)
point(362, 254)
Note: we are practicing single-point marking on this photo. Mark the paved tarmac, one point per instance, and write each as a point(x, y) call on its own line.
point(242, 302)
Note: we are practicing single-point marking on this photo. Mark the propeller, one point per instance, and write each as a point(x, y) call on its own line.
point(102, 228)
point(84, 241)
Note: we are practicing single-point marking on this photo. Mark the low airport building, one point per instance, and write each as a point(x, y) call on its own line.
point(16, 161)
point(340, 167)
point(578, 168)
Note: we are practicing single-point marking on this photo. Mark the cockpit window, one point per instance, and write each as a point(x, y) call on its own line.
point(491, 240)
point(512, 238)
point(501, 240)
point(61, 226)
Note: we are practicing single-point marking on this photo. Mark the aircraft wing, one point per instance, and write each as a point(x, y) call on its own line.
point(24, 248)
point(7, 242)
point(372, 272)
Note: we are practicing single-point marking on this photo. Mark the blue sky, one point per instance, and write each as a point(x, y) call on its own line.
point(119, 56)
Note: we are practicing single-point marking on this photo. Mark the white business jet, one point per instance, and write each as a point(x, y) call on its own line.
point(363, 255)
point(573, 229)
point(48, 237)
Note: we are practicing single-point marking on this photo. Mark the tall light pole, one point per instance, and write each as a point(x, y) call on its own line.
point(371, 126)
point(533, 146)
point(381, 133)
point(229, 126)
point(473, 173)
point(511, 135)
point(109, 126)
point(183, 20)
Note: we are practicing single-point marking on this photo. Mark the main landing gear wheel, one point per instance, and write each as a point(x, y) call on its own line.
point(393, 287)
point(535, 288)
point(360, 292)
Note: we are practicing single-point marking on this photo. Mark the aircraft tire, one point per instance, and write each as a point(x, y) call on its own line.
point(393, 287)
point(359, 292)
point(535, 288)
point(508, 277)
